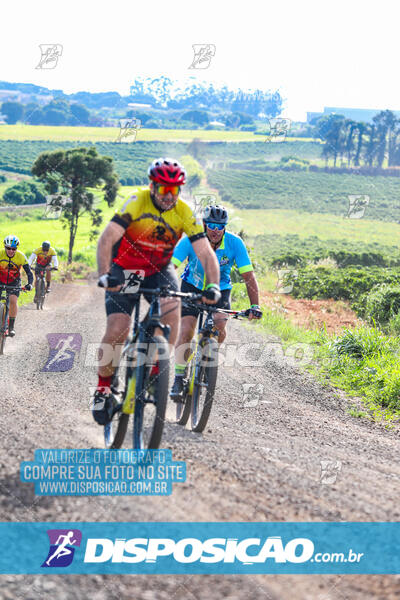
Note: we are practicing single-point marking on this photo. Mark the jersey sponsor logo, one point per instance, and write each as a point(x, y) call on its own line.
point(224, 260)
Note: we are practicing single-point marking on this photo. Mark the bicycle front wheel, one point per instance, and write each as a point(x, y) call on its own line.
point(115, 431)
point(183, 408)
point(204, 384)
point(151, 396)
point(2, 328)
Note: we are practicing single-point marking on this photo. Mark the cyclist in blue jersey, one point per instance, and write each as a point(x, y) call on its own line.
point(230, 250)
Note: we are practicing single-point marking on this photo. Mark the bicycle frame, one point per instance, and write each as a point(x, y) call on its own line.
point(137, 375)
point(206, 334)
point(202, 333)
point(143, 333)
point(5, 293)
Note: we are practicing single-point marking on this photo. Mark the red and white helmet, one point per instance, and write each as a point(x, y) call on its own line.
point(167, 171)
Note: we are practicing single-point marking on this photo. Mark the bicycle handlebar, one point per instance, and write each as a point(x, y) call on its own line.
point(235, 314)
point(193, 298)
point(165, 291)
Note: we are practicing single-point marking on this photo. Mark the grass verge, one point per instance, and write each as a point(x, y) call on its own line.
point(363, 362)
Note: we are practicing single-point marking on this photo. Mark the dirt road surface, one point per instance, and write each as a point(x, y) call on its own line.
point(258, 460)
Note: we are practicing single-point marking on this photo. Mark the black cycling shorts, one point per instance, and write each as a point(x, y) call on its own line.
point(223, 302)
point(16, 283)
point(125, 303)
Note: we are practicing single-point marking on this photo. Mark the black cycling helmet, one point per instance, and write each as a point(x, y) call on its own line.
point(46, 246)
point(215, 214)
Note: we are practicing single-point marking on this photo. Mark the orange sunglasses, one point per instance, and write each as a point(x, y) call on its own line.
point(164, 189)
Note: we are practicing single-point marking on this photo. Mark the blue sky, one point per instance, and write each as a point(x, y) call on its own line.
point(316, 53)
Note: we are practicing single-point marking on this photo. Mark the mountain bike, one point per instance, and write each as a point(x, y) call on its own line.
point(202, 369)
point(5, 292)
point(141, 379)
point(40, 293)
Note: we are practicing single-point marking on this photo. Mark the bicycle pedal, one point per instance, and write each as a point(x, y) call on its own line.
point(178, 399)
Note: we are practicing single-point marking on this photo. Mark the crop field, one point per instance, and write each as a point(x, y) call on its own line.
point(111, 134)
point(132, 160)
point(31, 227)
point(324, 226)
point(308, 192)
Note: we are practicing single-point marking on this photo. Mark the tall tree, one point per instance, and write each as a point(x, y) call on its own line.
point(350, 129)
point(331, 129)
point(385, 122)
point(72, 174)
point(371, 145)
point(13, 111)
point(361, 129)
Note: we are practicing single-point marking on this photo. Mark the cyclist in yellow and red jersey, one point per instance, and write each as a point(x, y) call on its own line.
point(141, 237)
point(11, 261)
point(44, 256)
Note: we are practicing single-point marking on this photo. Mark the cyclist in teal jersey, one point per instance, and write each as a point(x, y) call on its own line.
point(230, 250)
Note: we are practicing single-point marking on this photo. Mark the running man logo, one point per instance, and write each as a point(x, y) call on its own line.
point(203, 54)
point(128, 127)
point(50, 55)
point(61, 551)
point(278, 129)
point(286, 280)
point(330, 470)
point(357, 205)
point(200, 201)
point(54, 205)
point(62, 350)
point(133, 279)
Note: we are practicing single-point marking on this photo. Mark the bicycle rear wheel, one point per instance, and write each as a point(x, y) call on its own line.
point(152, 396)
point(39, 293)
point(2, 328)
point(204, 384)
point(42, 294)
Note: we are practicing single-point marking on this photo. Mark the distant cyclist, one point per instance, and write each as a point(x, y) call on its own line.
point(229, 249)
point(141, 238)
point(43, 256)
point(11, 261)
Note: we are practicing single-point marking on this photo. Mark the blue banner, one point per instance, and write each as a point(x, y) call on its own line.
point(191, 548)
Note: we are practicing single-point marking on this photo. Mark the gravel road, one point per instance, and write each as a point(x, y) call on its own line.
point(260, 462)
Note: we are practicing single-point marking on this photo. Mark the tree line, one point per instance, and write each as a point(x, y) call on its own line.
point(56, 112)
point(374, 144)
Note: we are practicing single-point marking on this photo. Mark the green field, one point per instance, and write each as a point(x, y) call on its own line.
point(324, 226)
point(110, 134)
point(308, 191)
point(31, 228)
